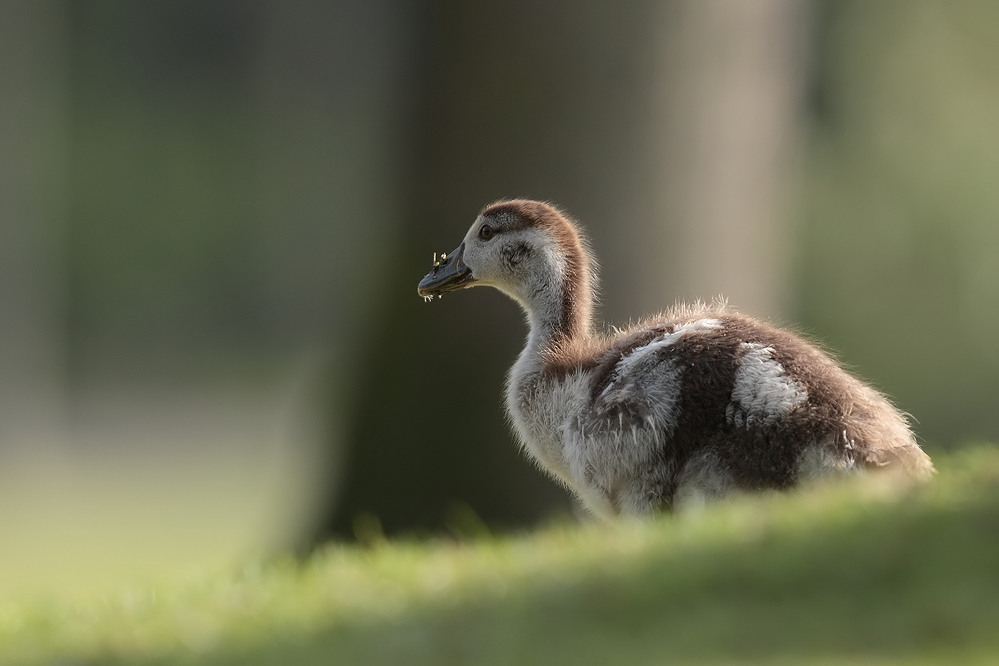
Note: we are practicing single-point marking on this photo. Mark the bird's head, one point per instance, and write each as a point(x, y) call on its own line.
point(529, 250)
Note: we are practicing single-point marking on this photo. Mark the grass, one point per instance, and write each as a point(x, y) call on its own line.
point(853, 573)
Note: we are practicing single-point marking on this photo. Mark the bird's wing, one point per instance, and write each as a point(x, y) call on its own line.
point(638, 384)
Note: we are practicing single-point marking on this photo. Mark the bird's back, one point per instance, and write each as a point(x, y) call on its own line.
point(704, 392)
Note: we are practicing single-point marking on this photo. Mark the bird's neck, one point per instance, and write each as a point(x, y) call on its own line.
point(559, 311)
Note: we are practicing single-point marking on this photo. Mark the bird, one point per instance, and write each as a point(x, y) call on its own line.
point(683, 408)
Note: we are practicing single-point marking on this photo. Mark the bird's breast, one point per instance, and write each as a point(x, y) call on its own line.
point(541, 407)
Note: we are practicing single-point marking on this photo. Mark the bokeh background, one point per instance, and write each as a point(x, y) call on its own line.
point(213, 216)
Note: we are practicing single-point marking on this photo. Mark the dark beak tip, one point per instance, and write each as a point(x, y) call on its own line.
point(447, 275)
point(425, 288)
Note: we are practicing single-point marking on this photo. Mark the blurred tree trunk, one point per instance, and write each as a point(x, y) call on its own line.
point(332, 103)
point(32, 164)
point(652, 123)
point(708, 214)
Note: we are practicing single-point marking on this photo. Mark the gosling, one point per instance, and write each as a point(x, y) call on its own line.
point(687, 406)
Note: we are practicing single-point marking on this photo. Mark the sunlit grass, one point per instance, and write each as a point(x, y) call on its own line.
point(850, 573)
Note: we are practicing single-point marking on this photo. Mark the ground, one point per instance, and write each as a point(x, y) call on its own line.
point(854, 572)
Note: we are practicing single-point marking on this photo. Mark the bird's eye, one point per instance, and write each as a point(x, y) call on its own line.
point(486, 232)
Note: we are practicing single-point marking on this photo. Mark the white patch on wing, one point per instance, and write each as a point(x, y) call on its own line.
point(763, 393)
point(632, 365)
point(648, 394)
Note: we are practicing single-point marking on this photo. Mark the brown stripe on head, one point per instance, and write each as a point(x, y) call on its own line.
point(577, 297)
point(524, 213)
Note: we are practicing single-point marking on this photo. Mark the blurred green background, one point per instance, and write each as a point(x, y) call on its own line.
point(213, 216)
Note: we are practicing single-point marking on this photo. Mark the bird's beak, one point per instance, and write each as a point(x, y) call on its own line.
point(450, 273)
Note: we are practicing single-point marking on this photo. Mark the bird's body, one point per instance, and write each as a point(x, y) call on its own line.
point(686, 406)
